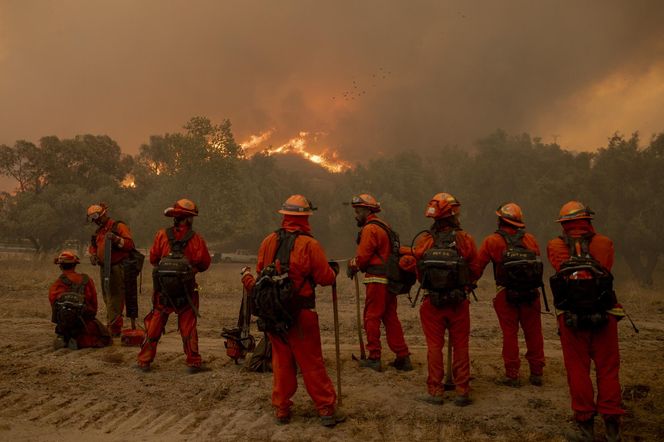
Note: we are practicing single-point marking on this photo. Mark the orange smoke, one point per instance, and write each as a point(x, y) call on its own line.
point(298, 145)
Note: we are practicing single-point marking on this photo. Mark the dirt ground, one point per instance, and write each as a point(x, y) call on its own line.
point(97, 394)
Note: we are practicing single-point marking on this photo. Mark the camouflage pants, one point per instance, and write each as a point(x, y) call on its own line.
point(115, 300)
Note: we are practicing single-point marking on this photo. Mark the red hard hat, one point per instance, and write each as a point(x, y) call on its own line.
point(67, 257)
point(96, 210)
point(511, 214)
point(366, 200)
point(574, 210)
point(182, 208)
point(442, 205)
point(297, 205)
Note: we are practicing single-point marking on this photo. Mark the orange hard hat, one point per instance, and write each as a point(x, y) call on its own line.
point(297, 205)
point(182, 208)
point(366, 200)
point(96, 211)
point(442, 205)
point(67, 257)
point(574, 210)
point(511, 214)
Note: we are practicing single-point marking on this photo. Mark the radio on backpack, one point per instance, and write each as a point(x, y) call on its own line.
point(445, 273)
point(174, 277)
point(399, 281)
point(582, 286)
point(520, 271)
point(275, 301)
point(68, 308)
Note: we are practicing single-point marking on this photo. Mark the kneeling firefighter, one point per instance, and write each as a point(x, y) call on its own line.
point(73, 301)
point(517, 269)
point(588, 313)
point(445, 258)
point(290, 264)
point(376, 244)
point(177, 254)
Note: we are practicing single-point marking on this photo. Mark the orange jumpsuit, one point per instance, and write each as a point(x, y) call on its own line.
point(115, 301)
point(436, 320)
point(380, 305)
point(197, 253)
point(599, 345)
point(511, 315)
point(302, 343)
point(94, 334)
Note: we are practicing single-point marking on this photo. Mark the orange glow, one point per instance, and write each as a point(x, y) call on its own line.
point(328, 159)
point(128, 182)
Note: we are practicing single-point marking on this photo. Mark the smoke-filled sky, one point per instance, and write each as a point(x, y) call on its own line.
point(372, 76)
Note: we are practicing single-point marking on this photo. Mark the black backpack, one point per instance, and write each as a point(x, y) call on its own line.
point(174, 277)
point(275, 301)
point(68, 308)
point(132, 266)
point(593, 293)
point(521, 269)
point(399, 281)
point(442, 267)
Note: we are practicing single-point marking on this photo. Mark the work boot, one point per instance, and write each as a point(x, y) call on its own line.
point(462, 400)
point(373, 364)
point(333, 419)
point(584, 431)
point(143, 367)
point(59, 342)
point(195, 369)
point(282, 420)
point(612, 424)
point(536, 380)
point(72, 344)
point(430, 399)
point(403, 364)
point(509, 382)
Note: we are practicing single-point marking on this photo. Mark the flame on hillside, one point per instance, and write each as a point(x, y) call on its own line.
point(129, 182)
point(328, 159)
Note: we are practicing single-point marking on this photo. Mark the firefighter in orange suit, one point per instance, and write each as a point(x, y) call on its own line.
point(301, 344)
point(446, 309)
point(591, 335)
point(373, 249)
point(73, 301)
point(195, 251)
point(514, 307)
point(122, 244)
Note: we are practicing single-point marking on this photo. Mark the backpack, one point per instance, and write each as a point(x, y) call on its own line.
point(441, 266)
point(173, 277)
point(582, 286)
point(399, 281)
point(68, 308)
point(520, 271)
point(275, 301)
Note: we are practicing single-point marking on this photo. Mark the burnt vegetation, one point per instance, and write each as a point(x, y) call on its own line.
point(56, 179)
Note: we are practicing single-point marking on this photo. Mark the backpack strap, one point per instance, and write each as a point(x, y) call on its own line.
point(515, 240)
point(444, 239)
point(178, 246)
point(73, 286)
point(584, 242)
point(285, 244)
point(394, 249)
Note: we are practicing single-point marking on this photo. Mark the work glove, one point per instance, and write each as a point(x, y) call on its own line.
point(115, 239)
point(246, 270)
point(335, 267)
point(352, 268)
point(94, 260)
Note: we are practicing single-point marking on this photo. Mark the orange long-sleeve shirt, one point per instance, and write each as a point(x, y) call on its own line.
point(117, 253)
point(600, 248)
point(307, 260)
point(196, 250)
point(465, 245)
point(374, 247)
point(494, 246)
point(90, 293)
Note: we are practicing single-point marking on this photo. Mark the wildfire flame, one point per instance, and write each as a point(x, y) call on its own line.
point(128, 182)
point(328, 159)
